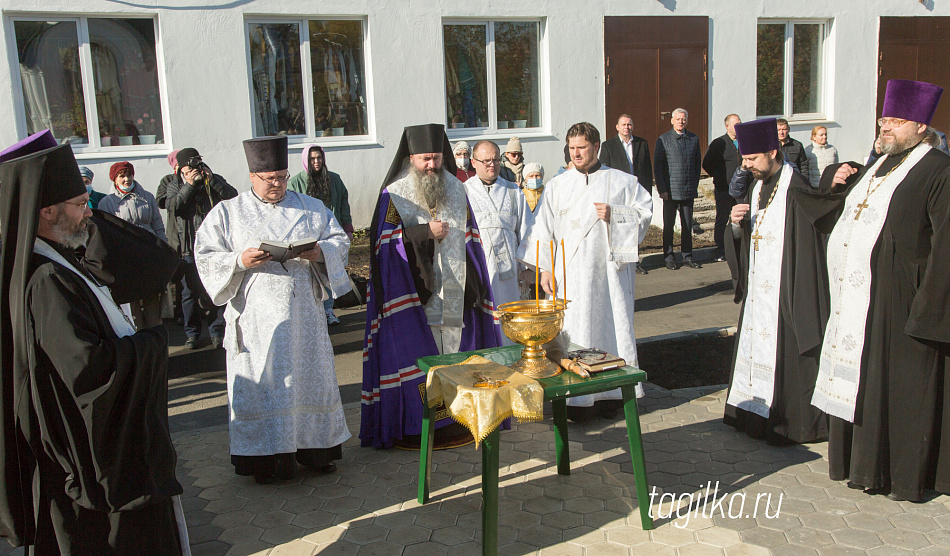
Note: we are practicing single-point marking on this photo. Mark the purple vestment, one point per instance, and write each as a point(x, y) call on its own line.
point(397, 333)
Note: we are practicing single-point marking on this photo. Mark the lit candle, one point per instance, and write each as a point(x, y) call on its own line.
point(564, 268)
point(553, 278)
point(537, 281)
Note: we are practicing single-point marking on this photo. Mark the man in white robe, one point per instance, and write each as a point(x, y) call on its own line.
point(602, 215)
point(499, 210)
point(283, 396)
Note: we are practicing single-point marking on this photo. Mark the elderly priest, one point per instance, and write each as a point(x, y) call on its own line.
point(283, 395)
point(887, 341)
point(429, 292)
point(87, 459)
point(777, 262)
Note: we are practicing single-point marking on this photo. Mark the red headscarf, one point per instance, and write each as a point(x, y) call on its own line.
point(118, 167)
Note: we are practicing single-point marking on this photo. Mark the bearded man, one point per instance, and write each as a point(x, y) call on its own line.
point(429, 292)
point(882, 369)
point(87, 459)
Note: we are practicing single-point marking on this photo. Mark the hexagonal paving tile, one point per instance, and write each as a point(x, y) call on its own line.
point(857, 538)
point(904, 539)
point(282, 534)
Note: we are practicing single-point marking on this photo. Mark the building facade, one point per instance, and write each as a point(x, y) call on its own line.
point(130, 81)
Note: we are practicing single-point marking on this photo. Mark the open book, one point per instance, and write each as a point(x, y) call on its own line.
point(283, 252)
point(593, 359)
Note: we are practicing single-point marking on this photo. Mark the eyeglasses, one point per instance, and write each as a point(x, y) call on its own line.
point(83, 205)
point(275, 180)
point(891, 122)
point(489, 162)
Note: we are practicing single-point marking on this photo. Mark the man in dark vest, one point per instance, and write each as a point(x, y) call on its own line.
point(676, 163)
point(721, 161)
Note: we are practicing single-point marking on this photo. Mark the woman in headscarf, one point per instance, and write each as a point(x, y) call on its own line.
point(533, 184)
point(463, 161)
point(320, 183)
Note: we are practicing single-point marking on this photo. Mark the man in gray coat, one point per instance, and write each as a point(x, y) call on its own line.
point(676, 165)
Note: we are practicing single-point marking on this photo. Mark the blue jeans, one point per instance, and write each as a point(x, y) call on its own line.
point(191, 292)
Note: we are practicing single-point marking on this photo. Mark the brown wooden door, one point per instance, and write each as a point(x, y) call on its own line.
point(656, 64)
point(915, 48)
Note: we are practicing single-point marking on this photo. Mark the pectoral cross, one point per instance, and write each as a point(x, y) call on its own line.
point(861, 207)
point(755, 240)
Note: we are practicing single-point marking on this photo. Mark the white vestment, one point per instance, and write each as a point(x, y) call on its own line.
point(444, 310)
point(282, 389)
point(600, 257)
point(500, 214)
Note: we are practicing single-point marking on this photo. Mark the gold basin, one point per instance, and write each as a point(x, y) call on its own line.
point(533, 324)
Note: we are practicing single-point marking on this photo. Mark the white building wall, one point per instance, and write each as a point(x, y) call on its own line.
point(205, 79)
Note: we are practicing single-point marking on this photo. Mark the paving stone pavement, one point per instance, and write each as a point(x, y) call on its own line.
point(770, 500)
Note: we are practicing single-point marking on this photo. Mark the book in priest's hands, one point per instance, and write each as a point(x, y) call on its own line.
point(593, 360)
point(283, 252)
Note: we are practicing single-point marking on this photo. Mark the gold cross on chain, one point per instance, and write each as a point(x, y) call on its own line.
point(861, 207)
point(756, 237)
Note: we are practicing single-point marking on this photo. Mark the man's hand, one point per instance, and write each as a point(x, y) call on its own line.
point(844, 172)
point(254, 257)
point(665, 196)
point(438, 229)
point(603, 211)
point(313, 255)
point(546, 282)
point(738, 212)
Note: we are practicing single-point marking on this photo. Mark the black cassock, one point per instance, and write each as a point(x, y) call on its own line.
point(96, 408)
point(803, 311)
point(900, 439)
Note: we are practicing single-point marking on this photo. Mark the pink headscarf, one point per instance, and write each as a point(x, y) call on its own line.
point(172, 158)
point(305, 156)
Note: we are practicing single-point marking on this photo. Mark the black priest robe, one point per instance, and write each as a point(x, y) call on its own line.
point(94, 410)
point(900, 439)
point(803, 311)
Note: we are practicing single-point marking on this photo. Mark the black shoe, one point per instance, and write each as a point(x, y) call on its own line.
point(690, 263)
point(216, 342)
point(191, 342)
point(697, 229)
point(641, 270)
point(670, 265)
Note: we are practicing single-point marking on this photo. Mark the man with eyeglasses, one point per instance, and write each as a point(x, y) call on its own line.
point(887, 341)
point(189, 198)
point(86, 455)
point(283, 395)
point(499, 209)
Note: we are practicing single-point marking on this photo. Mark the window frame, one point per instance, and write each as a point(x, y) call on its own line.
point(93, 148)
point(492, 130)
point(306, 76)
point(824, 84)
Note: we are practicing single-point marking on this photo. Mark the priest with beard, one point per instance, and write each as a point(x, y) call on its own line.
point(601, 215)
point(777, 263)
point(429, 292)
point(883, 363)
point(87, 459)
point(283, 396)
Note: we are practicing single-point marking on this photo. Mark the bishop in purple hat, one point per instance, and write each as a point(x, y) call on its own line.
point(774, 257)
point(430, 290)
point(887, 341)
point(87, 458)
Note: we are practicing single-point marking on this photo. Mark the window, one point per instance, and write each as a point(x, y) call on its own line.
point(92, 81)
point(790, 69)
point(308, 78)
point(492, 74)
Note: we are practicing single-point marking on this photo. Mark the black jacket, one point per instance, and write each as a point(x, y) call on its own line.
point(721, 161)
point(189, 204)
point(612, 155)
point(676, 163)
point(795, 153)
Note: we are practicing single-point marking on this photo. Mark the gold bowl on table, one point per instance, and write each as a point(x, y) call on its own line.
point(533, 324)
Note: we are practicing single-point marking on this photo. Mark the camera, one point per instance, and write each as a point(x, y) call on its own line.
point(195, 162)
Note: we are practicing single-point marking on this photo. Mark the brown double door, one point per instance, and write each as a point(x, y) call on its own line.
point(653, 65)
point(915, 48)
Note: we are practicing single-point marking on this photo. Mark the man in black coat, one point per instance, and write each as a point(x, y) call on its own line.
point(676, 161)
point(631, 154)
point(793, 149)
point(189, 198)
point(721, 160)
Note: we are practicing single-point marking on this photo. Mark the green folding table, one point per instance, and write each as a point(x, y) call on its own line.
point(557, 389)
